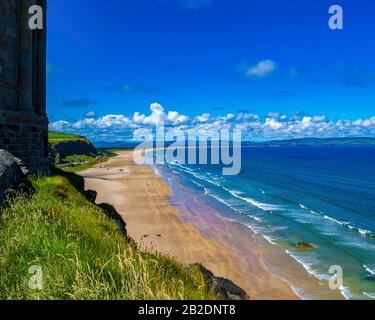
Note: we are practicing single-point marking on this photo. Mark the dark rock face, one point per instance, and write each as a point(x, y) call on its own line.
point(224, 288)
point(370, 277)
point(111, 212)
point(70, 148)
point(12, 176)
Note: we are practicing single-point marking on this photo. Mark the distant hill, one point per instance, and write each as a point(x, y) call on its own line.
point(115, 144)
point(307, 142)
point(317, 142)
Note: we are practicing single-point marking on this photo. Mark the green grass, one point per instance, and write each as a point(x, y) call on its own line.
point(82, 253)
point(82, 162)
point(87, 162)
point(57, 137)
point(79, 158)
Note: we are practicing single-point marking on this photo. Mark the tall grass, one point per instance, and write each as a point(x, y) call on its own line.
point(82, 253)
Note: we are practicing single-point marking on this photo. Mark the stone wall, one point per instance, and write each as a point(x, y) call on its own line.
point(23, 119)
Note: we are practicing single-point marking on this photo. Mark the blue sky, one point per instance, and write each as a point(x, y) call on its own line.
point(275, 62)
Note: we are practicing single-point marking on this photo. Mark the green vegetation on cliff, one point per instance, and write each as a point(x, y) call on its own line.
point(81, 252)
point(78, 163)
point(57, 137)
point(73, 152)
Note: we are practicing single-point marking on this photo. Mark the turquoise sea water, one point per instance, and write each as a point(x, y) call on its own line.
point(324, 196)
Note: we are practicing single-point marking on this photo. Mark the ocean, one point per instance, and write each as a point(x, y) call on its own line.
point(321, 195)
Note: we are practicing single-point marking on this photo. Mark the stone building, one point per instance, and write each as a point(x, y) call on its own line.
point(23, 118)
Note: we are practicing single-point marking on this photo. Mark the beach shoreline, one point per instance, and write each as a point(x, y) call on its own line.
point(161, 215)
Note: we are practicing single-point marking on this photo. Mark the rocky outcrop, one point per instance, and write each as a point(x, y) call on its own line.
point(12, 175)
point(305, 246)
point(224, 288)
point(67, 148)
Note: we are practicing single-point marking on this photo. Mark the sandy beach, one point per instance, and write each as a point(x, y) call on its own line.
point(181, 227)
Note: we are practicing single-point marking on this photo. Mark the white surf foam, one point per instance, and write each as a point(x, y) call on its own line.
point(269, 239)
point(256, 218)
point(334, 220)
point(347, 294)
point(237, 194)
point(345, 224)
point(364, 232)
point(369, 269)
point(258, 204)
point(369, 294)
point(252, 228)
point(308, 266)
point(197, 184)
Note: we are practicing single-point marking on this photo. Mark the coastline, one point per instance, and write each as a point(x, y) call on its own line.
point(161, 215)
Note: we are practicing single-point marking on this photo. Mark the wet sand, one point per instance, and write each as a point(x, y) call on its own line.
point(178, 225)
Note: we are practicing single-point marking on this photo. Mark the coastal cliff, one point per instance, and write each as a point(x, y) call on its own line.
point(71, 148)
point(63, 145)
point(84, 251)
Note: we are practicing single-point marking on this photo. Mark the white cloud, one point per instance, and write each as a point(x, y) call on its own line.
point(176, 118)
point(254, 127)
point(261, 69)
point(111, 121)
point(90, 114)
point(306, 122)
point(158, 116)
point(367, 123)
point(319, 118)
point(203, 118)
point(60, 126)
point(273, 124)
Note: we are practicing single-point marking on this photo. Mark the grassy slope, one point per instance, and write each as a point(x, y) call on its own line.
point(82, 253)
point(87, 161)
point(57, 137)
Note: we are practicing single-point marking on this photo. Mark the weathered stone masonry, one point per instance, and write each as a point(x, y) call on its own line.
point(23, 118)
